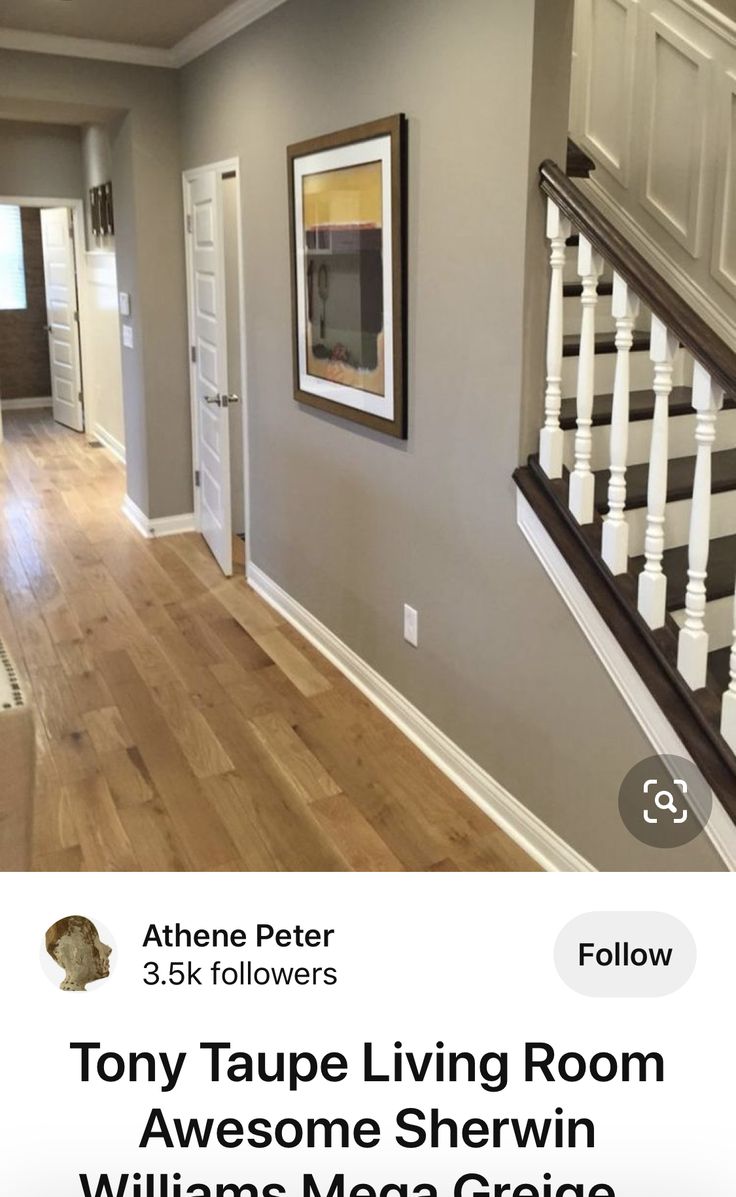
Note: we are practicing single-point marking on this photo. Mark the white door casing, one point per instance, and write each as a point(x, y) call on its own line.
point(62, 317)
point(209, 371)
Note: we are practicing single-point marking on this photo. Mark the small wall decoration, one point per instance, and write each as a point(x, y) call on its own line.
point(101, 212)
point(348, 247)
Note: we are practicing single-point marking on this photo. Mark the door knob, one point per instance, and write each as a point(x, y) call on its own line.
point(228, 399)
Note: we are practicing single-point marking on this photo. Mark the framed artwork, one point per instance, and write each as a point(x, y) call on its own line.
point(348, 249)
point(101, 213)
point(94, 207)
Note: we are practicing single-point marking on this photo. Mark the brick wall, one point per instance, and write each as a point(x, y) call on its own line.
point(24, 344)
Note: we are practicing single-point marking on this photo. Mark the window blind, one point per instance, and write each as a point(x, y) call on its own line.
point(12, 265)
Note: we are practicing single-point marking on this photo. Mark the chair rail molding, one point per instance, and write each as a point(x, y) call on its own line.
point(537, 839)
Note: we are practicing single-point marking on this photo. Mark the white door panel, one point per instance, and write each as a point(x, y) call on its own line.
point(209, 321)
point(61, 313)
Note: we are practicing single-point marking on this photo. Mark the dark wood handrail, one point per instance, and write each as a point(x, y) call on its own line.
point(692, 331)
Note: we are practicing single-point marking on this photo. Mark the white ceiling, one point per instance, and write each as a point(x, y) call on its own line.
point(157, 23)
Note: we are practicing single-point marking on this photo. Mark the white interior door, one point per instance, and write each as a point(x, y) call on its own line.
point(63, 317)
point(209, 329)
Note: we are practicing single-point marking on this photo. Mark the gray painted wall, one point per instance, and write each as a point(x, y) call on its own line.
point(141, 107)
point(353, 525)
point(39, 161)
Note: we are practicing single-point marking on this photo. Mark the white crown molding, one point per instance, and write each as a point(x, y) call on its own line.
point(648, 714)
point(231, 20)
point(522, 826)
point(169, 525)
point(83, 47)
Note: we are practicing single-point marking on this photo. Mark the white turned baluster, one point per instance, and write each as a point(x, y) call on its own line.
point(615, 542)
point(551, 437)
point(728, 714)
point(692, 649)
point(581, 495)
point(652, 582)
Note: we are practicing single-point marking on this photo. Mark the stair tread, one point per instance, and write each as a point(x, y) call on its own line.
point(680, 476)
point(574, 290)
point(641, 406)
point(721, 571)
point(719, 664)
point(605, 342)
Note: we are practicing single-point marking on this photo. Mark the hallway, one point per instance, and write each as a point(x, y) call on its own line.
point(182, 725)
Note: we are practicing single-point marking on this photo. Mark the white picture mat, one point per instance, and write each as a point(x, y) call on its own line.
point(376, 150)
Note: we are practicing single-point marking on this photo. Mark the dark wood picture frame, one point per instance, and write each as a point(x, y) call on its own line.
point(395, 128)
point(101, 211)
point(94, 209)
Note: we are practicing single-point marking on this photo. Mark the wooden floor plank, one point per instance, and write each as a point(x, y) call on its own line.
point(182, 724)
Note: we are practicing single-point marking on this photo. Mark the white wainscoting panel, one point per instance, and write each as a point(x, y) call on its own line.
point(678, 120)
point(724, 232)
point(675, 184)
point(609, 27)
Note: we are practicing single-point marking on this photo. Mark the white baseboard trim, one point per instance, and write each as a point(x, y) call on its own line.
point(169, 525)
point(31, 404)
point(532, 835)
point(110, 442)
point(714, 315)
point(648, 714)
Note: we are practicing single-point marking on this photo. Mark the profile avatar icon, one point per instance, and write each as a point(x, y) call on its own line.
point(75, 945)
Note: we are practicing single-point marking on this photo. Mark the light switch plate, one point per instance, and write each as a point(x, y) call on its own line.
point(124, 303)
point(411, 626)
point(128, 336)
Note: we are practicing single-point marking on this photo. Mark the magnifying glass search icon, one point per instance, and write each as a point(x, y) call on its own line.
point(668, 804)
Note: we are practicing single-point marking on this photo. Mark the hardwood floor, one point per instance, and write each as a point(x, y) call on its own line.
point(182, 724)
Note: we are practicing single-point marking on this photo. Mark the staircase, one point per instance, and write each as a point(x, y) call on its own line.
point(635, 477)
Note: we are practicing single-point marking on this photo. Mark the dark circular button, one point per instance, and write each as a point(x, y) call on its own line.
point(665, 801)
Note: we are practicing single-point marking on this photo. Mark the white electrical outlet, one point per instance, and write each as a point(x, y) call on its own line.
point(411, 626)
point(128, 341)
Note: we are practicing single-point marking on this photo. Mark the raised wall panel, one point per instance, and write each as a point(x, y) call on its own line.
point(607, 81)
point(679, 85)
point(724, 233)
point(579, 66)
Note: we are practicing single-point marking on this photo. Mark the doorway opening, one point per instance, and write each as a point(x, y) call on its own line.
point(59, 336)
point(215, 294)
point(59, 322)
point(40, 349)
